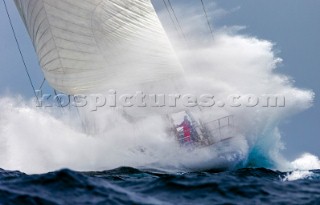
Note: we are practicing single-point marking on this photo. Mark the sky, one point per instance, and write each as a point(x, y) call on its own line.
point(292, 25)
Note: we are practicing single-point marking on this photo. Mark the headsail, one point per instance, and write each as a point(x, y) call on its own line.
point(92, 45)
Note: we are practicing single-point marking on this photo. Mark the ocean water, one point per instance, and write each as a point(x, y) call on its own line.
point(56, 144)
point(132, 186)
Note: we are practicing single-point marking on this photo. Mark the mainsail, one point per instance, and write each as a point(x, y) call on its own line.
point(88, 46)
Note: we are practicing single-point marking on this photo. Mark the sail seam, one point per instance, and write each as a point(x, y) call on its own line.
point(53, 37)
point(66, 11)
point(47, 63)
point(83, 43)
point(46, 54)
point(80, 34)
point(44, 44)
point(74, 5)
point(30, 20)
point(35, 33)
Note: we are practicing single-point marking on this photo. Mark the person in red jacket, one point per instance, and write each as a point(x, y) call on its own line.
point(186, 125)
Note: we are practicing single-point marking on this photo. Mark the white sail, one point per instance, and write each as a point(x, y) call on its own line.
point(92, 45)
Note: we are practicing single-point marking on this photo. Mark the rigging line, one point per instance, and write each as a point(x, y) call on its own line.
point(44, 80)
point(170, 15)
point(175, 16)
point(207, 17)
point(18, 46)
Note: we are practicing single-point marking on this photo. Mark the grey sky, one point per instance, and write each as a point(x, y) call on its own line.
point(292, 24)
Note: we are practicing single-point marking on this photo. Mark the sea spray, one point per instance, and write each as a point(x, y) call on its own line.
point(39, 140)
point(238, 64)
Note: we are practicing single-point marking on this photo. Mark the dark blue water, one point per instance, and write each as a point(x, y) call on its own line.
point(132, 186)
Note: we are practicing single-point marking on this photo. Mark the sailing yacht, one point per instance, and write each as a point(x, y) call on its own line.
point(91, 46)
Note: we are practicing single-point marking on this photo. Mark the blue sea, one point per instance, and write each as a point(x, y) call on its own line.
point(133, 186)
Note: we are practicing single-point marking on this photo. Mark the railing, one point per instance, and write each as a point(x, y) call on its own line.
point(219, 129)
point(230, 120)
point(207, 133)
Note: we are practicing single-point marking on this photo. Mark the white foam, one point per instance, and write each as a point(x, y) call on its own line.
point(34, 140)
point(302, 167)
point(298, 175)
point(306, 162)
